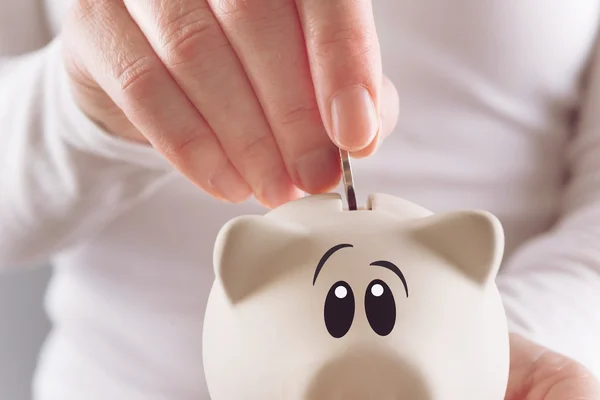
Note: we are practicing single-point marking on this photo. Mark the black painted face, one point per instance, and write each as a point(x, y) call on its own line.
point(340, 303)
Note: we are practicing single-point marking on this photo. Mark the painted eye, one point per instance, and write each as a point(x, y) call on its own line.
point(339, 309)
point(380, 307)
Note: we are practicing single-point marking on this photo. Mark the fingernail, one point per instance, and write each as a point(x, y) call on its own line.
point(278, 189)
point(354, 120)
point(231, 186)
point(319, 170)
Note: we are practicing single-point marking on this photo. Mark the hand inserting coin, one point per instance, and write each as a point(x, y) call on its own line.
point(348, 180)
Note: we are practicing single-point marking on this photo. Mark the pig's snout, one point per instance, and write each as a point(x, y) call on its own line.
point(366, 375)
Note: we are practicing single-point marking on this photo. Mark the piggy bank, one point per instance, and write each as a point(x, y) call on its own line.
point(390, 302)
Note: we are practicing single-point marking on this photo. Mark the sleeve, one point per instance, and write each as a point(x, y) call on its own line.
point(551, 286)
point(61, 176)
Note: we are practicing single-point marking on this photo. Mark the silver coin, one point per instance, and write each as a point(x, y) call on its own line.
point(348, 180)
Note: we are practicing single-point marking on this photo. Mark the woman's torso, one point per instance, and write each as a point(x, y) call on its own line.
point(487, 93)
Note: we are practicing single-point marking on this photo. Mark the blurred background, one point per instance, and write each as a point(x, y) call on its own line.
point(23, 329)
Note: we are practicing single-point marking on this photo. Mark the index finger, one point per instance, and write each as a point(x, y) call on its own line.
point(345, 61)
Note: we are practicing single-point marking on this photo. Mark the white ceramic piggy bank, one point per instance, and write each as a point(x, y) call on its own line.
point(314, 302)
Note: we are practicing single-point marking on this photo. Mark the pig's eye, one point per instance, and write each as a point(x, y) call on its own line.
point(339, 309)
point(380, 307)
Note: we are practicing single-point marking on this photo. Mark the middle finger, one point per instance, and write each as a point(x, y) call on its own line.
point(267, 37)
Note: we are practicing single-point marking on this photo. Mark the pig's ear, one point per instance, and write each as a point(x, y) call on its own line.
point(253, 251)
point(471, 241)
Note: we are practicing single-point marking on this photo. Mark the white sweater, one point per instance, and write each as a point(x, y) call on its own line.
point(499, 110)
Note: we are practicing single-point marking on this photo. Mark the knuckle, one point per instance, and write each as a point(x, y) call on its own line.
point(184, 147)
point(253, 10)
point(300, 115)
point(353, 40)
point(180, 146)
point(134, 76)
point(235, 8)
point(186, 35)
point(257, 148)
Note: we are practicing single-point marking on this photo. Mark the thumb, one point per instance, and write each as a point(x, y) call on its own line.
point(388, 118)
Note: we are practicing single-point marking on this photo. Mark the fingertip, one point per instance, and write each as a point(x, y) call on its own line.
point(388, 119)
point(290, 195)
point(318, 171)
point(277, 190)
point(390, 107)
point(369, 150)
point(354, 122)
point(229, 186)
